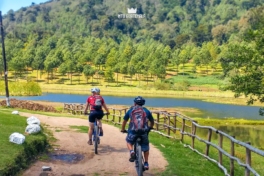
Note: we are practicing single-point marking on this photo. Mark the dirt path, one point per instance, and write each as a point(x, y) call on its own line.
point(111, 160)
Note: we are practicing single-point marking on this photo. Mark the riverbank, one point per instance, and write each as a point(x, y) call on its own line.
point(225, 97)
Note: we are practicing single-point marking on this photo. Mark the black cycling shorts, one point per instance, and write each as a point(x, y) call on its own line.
point(98, 114)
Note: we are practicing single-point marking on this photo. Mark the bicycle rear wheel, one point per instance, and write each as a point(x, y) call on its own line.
point(96, 139)
point(139, 165)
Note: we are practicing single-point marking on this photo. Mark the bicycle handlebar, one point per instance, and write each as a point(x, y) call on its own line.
point(149, 129)
point(105, 113)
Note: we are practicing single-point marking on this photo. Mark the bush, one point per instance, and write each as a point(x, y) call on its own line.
point(182, 86)
point(21, 88)
point(162, 86)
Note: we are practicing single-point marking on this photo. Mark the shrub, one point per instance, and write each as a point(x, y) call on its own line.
point(182, 86)
point(21, 88)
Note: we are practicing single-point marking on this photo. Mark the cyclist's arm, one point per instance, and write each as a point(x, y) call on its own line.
point(124, 125)
point(106, 109)
point(151, 124)
point(86, 107)
point(151, 119)
point(126, 118)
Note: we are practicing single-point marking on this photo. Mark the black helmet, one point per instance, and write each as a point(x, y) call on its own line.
point(139, 100)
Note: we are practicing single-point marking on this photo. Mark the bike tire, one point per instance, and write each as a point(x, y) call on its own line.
point(139, 164)
point(96, 140)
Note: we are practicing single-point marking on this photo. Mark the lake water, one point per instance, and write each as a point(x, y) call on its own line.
point(214, 110)
point(209, 109)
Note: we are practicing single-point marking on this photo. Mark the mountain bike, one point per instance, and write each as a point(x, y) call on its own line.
point(96, 134)
point(139, 161)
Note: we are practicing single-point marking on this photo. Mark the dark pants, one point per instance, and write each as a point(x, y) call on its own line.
point(98, 114)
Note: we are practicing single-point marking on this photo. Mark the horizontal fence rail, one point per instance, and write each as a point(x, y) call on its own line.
point(169, 123)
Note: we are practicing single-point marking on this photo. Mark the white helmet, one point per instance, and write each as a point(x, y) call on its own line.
point(94, 90)
point(97, 90)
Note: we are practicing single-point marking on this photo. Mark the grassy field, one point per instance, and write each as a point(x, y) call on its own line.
point(14, 157)
point(202, 84)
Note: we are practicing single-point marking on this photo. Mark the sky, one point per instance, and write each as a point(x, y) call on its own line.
point(6, 5)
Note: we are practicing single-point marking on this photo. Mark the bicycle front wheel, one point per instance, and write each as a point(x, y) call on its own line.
point(139, 165)
point(96, 139)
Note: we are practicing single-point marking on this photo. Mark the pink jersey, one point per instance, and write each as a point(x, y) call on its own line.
point(92, 100)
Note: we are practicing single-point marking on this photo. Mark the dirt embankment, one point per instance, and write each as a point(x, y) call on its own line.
point(30, 105)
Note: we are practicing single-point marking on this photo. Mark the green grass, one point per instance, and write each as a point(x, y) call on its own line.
point(182, 160)
point(199, 80)
point(14, 157)
point(81, 129)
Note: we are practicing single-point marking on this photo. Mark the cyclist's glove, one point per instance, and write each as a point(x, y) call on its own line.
point(150, 128)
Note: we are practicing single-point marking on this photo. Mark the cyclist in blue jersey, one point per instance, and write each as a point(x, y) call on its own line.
point(139, 117)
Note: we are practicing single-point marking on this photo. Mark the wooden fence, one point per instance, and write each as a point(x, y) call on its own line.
point(169, 123)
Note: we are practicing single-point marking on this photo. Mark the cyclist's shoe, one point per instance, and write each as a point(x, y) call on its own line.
point(146, 166)
point(132, 156)
point(90, 142)
point(101, 132)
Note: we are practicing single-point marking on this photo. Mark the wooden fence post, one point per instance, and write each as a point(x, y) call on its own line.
point(113, 120)
point(209, 140)
point(157, 125)
point(183, 127)
point(119, 117)
point(193, 133)
point(168, 124)
point(232, 169)
point(220, 155)
point(248, 159)
point(175, 123)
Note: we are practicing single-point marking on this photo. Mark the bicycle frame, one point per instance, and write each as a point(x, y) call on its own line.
point(95, 136)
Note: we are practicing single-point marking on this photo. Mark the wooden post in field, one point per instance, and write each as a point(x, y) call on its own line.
point(232, 153)
point(183, 127)
point(248, 159)
point(220, 155)
point(209, 140)
point(193, 133)
point(4, 60)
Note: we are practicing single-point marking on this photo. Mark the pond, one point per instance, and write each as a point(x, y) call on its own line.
point(208, 109)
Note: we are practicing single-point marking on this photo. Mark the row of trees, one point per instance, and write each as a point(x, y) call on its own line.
point(67, 54)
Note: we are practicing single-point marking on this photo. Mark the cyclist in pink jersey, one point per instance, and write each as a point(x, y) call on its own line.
point(95, 103)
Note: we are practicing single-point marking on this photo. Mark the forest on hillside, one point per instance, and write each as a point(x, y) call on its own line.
point(87, 37)
point(172, 22)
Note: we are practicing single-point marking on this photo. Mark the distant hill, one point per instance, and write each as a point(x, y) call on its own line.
point(172, 22)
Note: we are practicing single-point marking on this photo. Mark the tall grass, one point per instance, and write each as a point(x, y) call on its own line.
point(199, 80)
point(21, 88)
